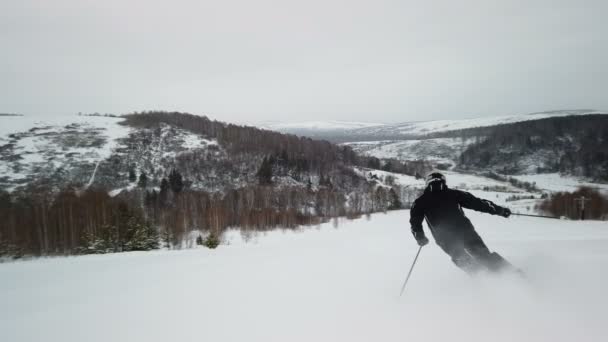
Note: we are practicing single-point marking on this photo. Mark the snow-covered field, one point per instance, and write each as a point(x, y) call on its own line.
point(322, 284)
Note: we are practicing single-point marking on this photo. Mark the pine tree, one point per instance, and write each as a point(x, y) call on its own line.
point(373, 163)
point(143, 180)
point(176, 181)
point(265, 172)
point(132, 175)
point(163, 196)
point(212, 241)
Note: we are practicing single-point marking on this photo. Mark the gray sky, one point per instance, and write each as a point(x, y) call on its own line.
point(249, 60)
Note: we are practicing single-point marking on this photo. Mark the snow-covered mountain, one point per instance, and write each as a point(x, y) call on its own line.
point(87, 150)
point(317, 128)
point(572, 142)
point(421, 128)
point(329, 125)
point(102, 150)
point(438, 151)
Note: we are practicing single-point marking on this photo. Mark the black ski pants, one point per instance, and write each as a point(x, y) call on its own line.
point(468, 251)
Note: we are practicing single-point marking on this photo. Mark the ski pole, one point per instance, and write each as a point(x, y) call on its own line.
point(542, 216)
point(410, 272)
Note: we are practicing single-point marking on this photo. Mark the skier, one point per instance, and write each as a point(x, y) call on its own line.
point(452, 230)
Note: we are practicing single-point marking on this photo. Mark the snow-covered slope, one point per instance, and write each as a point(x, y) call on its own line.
point(438, 150)
point(35, 146)
point(321, 285)
point(329, 125)
point(426, 127)
point(316, 129)
point(86, 150)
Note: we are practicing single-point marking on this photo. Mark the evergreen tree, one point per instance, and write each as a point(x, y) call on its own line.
point(163, 196)
point(388, 166)
point(176, 181)
point(141, 236)
point(265, 172)
point(212, 241)
point(373, 163)
point(143, 180)
point(132, 175)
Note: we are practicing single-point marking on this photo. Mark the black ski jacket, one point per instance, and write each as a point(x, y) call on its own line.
point(443, 211)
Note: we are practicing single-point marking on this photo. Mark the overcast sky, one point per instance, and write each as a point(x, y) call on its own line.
point(257, 60)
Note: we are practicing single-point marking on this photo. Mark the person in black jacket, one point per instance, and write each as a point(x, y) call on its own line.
point(452, 230)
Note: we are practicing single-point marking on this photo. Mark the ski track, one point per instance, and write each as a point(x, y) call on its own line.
point(323, 284)
point(92, 179)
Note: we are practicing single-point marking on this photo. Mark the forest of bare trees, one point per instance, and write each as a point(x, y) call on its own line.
point(568, 204)
point(94, 222)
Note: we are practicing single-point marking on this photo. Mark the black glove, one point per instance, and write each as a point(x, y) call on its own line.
point(504, 212)
point(420, 238)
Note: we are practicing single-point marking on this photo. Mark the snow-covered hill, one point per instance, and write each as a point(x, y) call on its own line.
point(86, 150)
point(317, 129)
point(420, 128)
point(321, 285)
point(346, 131)
point(439, 150)
point(319, 126)
point(69, 146)
point(570, 142)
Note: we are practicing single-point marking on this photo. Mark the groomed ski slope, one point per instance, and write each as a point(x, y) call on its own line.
point(326, 284)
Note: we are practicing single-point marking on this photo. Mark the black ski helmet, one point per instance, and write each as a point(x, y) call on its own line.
point(436, 181)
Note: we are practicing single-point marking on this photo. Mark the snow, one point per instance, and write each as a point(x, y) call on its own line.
point(14, 124)
point(40, 141)
point(92, 179)
point(426, 127)
point(329, 125)
point(555, 182)
point(323, 284)
point(439, 150)
point(194, 141)
point(116, 192)
point(458, 180)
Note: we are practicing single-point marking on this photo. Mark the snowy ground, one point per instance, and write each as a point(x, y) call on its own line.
point(320, 285)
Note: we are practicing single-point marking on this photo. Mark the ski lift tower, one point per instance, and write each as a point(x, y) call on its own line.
point(582, 201)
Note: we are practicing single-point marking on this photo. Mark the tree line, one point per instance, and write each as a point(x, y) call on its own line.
point(92, 221)
point(567, 204)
